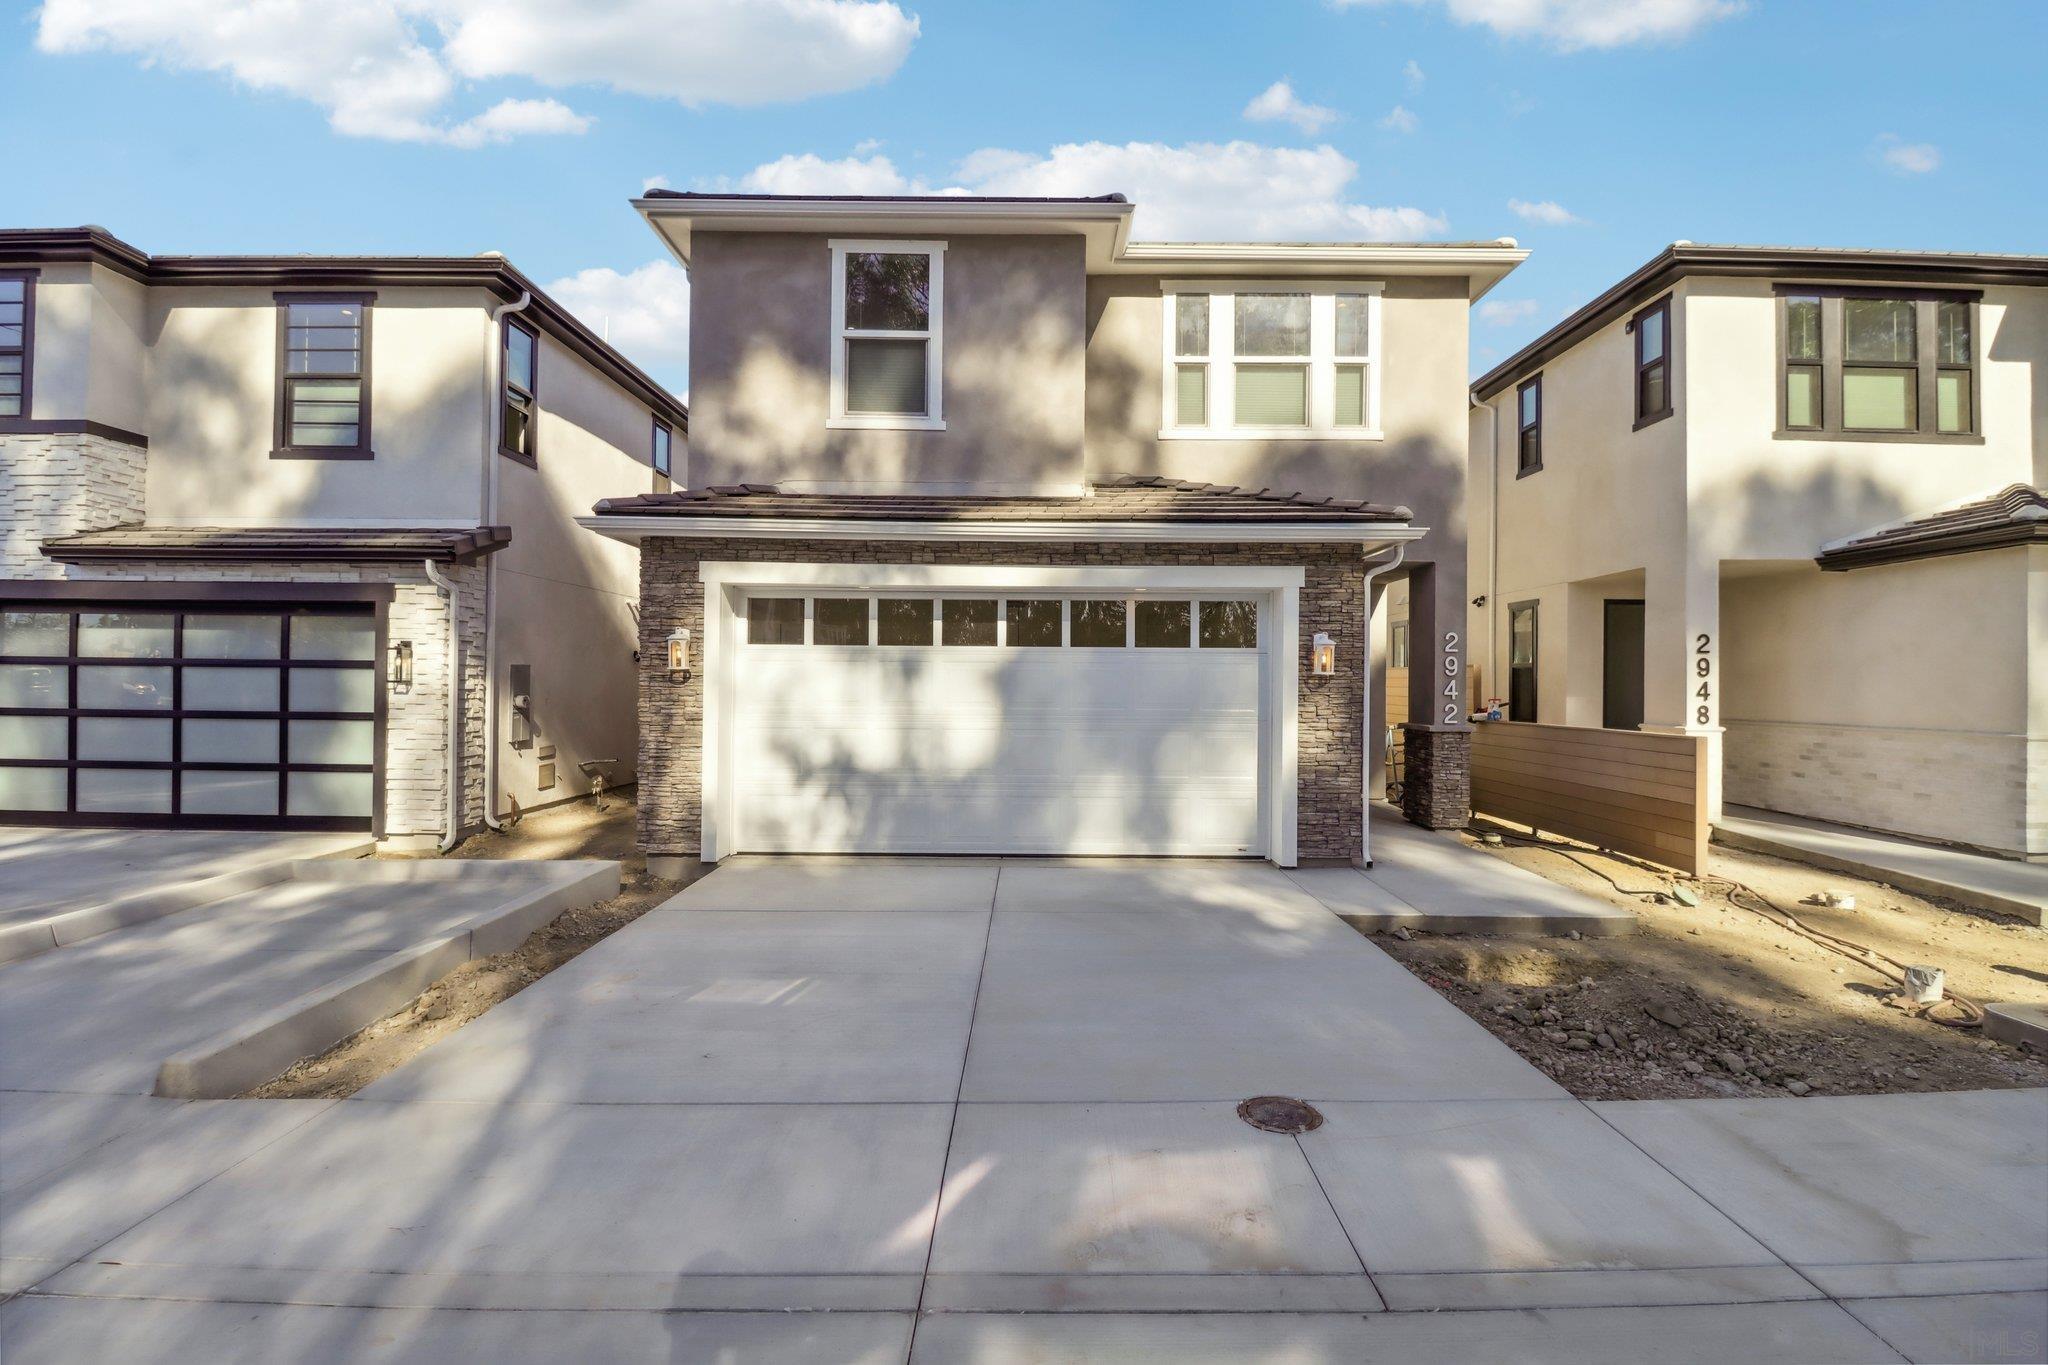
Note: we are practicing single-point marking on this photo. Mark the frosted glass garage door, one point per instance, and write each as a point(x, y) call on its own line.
point(999, 724)
point(221, 716)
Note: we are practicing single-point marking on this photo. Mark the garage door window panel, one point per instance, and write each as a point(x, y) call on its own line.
point(35, 634)
point(840, 621)
point(1164, 625)
point(1032, 623)
point(967, 621)
point(775, 620)
point(1100, 624)
point(124, 741)
point(906, 621)
point(1229, 625)
point(37, 738)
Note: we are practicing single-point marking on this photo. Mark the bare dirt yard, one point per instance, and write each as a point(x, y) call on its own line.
point(1716, 1000)
point(570, 831)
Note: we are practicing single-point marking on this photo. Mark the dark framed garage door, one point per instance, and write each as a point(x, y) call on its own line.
point(204, 715)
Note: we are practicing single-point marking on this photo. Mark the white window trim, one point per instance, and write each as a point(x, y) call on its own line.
point(934, 418)
point(727, 584)
point(1221, 360)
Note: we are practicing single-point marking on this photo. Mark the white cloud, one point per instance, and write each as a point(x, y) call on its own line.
point(1506, 312)
point(391, 68)
point(644, 312)
point(1197, 191)
point(508, 119)
point(1908, 158)
point(1278, 103)
point(1571, 25)
point(654, 182)
point(1548, 212)
point(1412, 73)
point(808, 173)
point(867, 146)
point(1400, 119)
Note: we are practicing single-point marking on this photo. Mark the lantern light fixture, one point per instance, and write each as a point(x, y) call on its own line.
point(679, 651)
point(1323, 654)
point(401, 666)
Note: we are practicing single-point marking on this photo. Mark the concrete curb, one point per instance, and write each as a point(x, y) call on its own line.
point(36, 937)
point(257, 1049)
point(1911, 882)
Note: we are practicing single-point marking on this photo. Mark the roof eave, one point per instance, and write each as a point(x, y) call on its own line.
point(1818, 264)
point(632, 528)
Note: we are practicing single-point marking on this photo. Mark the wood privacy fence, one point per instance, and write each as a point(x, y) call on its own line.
point(1636, 793)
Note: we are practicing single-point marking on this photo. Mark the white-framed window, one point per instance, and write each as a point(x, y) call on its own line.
point(1271, 360)
point(888, 304)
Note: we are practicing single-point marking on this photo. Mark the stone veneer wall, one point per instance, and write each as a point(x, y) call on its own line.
point(1331, 713)
point(1436, 777)
point(57, 486)
point(1948, 785)
point(416, 722)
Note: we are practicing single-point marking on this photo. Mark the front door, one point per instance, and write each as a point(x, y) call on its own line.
point(1621, 666)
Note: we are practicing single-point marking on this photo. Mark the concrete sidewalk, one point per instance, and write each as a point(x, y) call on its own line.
point(978, 1110)
point(1974, 879)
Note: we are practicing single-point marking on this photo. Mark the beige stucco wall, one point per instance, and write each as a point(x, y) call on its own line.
point(212, 412)
point(1607, 507)
point(567, 598)
point(760, 350)
point(1755, 496)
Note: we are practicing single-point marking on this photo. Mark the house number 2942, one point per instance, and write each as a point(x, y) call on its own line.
point(1703, 669)
point(1452, 711)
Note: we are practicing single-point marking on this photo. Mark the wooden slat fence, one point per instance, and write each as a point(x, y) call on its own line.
point(1636, 793)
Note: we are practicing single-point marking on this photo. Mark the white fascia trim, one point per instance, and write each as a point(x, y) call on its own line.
point(1323, 253)
point(934, 209)
point(1152, 532)
point(1079, 577)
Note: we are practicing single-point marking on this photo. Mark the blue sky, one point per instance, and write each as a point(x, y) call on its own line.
point(1595, 131)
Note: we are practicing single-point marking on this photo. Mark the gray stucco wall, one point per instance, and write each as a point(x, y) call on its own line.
point(760, 355)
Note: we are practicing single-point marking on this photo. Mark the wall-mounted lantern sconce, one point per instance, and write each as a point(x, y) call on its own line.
point(1322, 654)
point(401, 666)
point(679, 652)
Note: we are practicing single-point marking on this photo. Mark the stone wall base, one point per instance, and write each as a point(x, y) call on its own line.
point(1436, 777)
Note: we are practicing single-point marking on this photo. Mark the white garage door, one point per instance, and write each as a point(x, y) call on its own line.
point(992, 724)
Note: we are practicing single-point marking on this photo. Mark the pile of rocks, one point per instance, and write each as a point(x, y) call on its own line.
point(1680, 1037)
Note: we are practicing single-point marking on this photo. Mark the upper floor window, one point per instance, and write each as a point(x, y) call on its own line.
point(1271, 361)
point(522, 378)
point(887, 334)
point(17, 341)
point(1529, 426)
point(664, 440)
point(1652, 328)
point(1864, 365)
point(323, 402)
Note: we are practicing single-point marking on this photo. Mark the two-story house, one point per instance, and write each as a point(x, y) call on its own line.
point(288, 541)
point(1008, 534)
point(1790, 500)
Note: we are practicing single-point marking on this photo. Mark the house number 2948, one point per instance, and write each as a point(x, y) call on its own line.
point(1452, 711)
point(1703, 669)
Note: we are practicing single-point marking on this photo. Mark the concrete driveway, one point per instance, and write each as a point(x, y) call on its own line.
point(954, 1110)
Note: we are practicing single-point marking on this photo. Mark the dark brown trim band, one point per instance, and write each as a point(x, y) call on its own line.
point(136, 590)
point(23, 426)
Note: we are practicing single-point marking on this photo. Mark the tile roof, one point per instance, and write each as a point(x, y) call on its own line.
point(1126, 499)
point(279, 544)
point(2016, 516)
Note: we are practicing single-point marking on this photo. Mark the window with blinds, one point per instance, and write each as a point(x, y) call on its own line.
point(886, 334)
point(323, 399)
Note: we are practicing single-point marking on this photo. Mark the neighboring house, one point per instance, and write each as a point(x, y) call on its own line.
point(1789, 500)
point(256, 507)
point(1008, 534)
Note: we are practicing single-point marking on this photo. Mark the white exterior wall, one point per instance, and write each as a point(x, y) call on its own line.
point(1911, 698)
point(567, 599)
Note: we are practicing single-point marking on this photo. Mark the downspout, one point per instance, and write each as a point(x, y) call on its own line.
point(494, 350)
point(1492, 552)
point(454, 596)
point(1365, 808)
